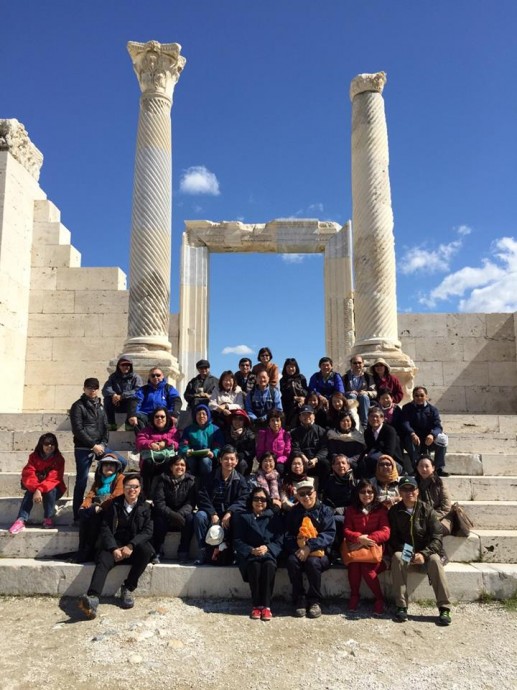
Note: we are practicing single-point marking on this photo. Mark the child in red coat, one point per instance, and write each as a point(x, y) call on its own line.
point(366, 524)
point(42, 479)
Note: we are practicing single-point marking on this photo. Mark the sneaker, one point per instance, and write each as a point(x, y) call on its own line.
point(445, 617)
point(48, 523)
point(127, 600)
point(401, 614)
point(314, 611)
point(378, 607)
point(266, 614)
point(300, 608)
point(17, 526)
point(353, 603)
point(156, 560)
point(255, 614)
point(88, 605)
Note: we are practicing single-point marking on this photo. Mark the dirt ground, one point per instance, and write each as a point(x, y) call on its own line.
point(176, 644)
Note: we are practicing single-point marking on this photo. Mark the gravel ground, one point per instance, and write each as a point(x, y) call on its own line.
point(176, 644)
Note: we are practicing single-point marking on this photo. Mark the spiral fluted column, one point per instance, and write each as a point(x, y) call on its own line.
point(157, 67)
point(375, 294)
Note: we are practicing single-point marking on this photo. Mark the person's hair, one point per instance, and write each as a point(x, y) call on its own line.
point(335, 456)
point(339, 396)
point(290, 360)
point(325, 359)
point(226, 450)
point(420, 388)
point(258, 490)
point(343, 414)
point(436, 477)
point(384, 391)
point(243, 360)
point(168, 418)
point(45, 438)
point(131, 475)
point(154, 369)
point(275, 414)
point(228, 372)
point(309, 395)
point(354, 356)
point(264, 351)
point(267, 454)
point(363, 484)
point(289, 463)
point(174, 459)
point(377, 409)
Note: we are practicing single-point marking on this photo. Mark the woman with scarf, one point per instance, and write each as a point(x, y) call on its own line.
point(156, 443)
point(295, 471)
point(386, 481)
point(434, 491)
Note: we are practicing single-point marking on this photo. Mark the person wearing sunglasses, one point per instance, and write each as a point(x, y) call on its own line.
point(310, 533)
point(126, 534)
point(422, 430)
point(119, 393)
point(258, 542)
point(156, 393)
point(156, 443)
point(416, 543)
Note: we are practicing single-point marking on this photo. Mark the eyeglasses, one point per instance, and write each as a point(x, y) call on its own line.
point(132, 487)
point(160, 416)
point(260, 499)
point(124, 365)
point(356, 362)
point(367, 492)
point(384, 464)
point(305, 494)
point(156, 376)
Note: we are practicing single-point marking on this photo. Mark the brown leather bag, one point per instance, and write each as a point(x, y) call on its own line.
point(355, 553)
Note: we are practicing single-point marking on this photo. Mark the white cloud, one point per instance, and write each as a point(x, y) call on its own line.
point(292, 258)
point(488, 288)
point(199, 180)
point(420, 258)
point(236, 350)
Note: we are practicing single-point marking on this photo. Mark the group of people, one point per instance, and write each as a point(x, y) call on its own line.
point(269, 469)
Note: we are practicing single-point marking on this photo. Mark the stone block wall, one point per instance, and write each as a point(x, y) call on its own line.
point(468, 362)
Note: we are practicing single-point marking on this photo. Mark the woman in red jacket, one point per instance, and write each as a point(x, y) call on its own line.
point(366, 523)
point(42, 479)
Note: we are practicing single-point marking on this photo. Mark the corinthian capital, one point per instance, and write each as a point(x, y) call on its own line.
point(157, 66)
point(367, 82)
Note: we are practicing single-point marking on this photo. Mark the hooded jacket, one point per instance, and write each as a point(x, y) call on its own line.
point(116, 488)
point(197, 437)
point(174, 495)
point(121, 383)
point(44, 475)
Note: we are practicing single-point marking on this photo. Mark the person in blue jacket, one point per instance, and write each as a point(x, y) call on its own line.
point(326, 381)
point(422, 430)
point(156, 393)
point(262, 399)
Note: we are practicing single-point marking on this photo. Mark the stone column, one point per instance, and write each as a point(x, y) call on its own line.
point(375, 297)
point(157, 67)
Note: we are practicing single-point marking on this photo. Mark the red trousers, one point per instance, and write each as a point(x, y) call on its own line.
point(367, 571)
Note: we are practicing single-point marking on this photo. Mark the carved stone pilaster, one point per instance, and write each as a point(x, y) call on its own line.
point(14, 138)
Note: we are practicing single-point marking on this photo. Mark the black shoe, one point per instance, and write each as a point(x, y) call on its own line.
point(401, 614)
point(300, 608)
point(88, 605)
point(183, 557)
point(156, 560)
point(445, 617)
point(314, 611)
point(442, 473)
point(127, 600)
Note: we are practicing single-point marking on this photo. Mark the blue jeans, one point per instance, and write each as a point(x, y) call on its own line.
point(199, 467)
point(202, 522)
point(49, 504)
point(415, 452)
point(364, 405)
point(83, 461)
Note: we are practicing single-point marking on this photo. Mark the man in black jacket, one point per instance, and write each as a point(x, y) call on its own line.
point(126, 534)
point(90, 430)
point(416, 540)
point(311, 440)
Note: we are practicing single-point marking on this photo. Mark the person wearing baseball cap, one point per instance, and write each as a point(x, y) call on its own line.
point(200, 388)
point(416, 541)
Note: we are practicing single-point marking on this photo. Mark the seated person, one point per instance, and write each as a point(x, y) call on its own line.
point(126, 533)
point(274, 438)
point(227, 396)
point(346, 439)
point(239, 435)
point(261, 400)
point(416, 540)
point(339, 403)
point(337, 493)
point(156, 443)
point(268, 478)
point(386, 481)
point(392, 412)
point(201, 442)
point(265, 359)
point(295, 471)
point(311, 440)
point(43, 482)
point(360, 386)
point(382, 379)
point(200, 388)
point(156, 393)
point(326, 381)
point(244, 378)
point(107, 485)
point(119, 393)
point(310, 533)
point(380, 439)
point(221, 494)
point(422, 430)
point(174, 500)
point(293, 389)
point(434, 491)
point(319, 405)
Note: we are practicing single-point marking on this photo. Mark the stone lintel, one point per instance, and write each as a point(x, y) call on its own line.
point(14, 138)
point(367, 82)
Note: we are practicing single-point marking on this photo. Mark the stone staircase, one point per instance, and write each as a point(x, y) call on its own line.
point(482, 459)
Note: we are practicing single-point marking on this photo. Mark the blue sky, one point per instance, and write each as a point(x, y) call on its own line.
point(262, 116)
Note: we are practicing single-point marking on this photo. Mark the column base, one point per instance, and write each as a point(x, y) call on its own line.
point(400, 364)
point(149, 352)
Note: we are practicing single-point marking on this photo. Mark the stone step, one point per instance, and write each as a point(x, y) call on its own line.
point(467, 582)
point(491, 443)
point(498, 546)
point(490, 515)
point(27, 440)
point(15, 460)
point(499, 464)
point(479, 423)
point(474, 488)
point(10, 484)
point(10, 505)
